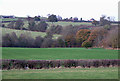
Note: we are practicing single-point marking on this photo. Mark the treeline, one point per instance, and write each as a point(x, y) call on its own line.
point(71, 36)
point(46, 64)
point(33, 25)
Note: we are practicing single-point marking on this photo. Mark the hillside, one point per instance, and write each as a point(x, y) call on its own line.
point(19, 32)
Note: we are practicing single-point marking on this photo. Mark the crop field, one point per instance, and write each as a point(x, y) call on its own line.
point(63, 73)
point(19, 32)
point(57, 53)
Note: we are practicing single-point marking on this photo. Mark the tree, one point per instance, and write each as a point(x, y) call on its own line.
point(11, 25)
point(95, 22)
point(37, 18)
point(70, 41)
point(32, 25)
point(55, 29)
point(112, 38)
point(25, 40)
point(104, 21)
point(42, 26)
point(60, 42)
point(87, 44)
point(97, 35)
point(52, 18)
point(38, 41)
point(10, 40)
point(82, 35)
point(19, 24)
point(47, 43)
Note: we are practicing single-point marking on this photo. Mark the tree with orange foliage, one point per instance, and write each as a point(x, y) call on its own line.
point(97, 35)
point(70, 41)
point(82, 35)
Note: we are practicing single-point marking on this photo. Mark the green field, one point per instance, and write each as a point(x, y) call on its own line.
point(19, 32)
point(61, 23)
point(57, 23)
point(68, 23)
point(58, 53)
point(9, 19)
point(73, 73)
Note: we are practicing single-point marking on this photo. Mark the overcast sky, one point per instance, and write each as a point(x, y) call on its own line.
point(66, 8)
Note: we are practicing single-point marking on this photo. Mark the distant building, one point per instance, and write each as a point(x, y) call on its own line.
point(91, 19)
point(11, 16)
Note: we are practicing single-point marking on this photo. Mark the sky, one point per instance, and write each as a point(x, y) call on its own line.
point(85, 9)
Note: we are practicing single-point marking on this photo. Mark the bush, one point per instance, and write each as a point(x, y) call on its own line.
point(55, 63)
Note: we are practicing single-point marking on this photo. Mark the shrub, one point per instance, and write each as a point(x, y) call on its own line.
point(55, 63)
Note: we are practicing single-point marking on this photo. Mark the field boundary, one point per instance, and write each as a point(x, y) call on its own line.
point(8, 64)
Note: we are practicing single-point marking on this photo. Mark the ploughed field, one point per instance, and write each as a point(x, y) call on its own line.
point(63, 73)
point(57, 53)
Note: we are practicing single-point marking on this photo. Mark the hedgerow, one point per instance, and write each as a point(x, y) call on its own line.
point(46, 64)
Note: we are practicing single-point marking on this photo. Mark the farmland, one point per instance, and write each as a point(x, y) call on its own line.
point(47, 53)
point(58, 23)
point(19, 32)
point(69, 23)
point(62, 73)
point(57, 53)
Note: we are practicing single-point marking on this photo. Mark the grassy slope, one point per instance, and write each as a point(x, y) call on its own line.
point(19, 32)
point(34, 34)
point(69, 23)
point(58, 23)
point(73, 73)
point(57, 53)
point(9, 19)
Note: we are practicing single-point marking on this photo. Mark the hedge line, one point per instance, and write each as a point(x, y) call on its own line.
point(39, 64)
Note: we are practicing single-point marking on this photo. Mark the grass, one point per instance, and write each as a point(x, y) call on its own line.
point(9, 19)
point(57, 53)
point(58, 23)
point(68, 23)
point(68, 73)
point(19, 32)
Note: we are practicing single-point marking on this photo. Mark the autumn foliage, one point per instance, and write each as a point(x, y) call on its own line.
point(82, 35)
